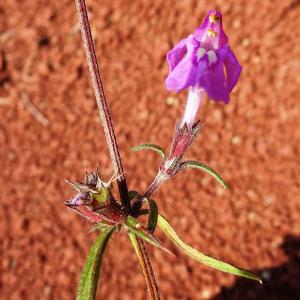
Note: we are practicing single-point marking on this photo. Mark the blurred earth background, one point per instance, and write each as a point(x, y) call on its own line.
point(50, 130)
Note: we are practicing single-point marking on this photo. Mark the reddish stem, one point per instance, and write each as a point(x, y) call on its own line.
point(101, 101)
point(147, 270)
point(149, 275)
point(109, 133)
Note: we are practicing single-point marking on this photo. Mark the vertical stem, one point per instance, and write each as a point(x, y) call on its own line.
point(111, 140)
point(143, 257)
point(101, 100)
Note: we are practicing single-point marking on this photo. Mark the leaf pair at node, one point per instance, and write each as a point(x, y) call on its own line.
point(188, 164)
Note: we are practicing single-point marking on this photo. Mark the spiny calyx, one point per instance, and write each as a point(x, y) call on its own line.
point(94, 200)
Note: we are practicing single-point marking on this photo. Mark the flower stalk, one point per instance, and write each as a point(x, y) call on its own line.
point(101, 101)
point(204, 63)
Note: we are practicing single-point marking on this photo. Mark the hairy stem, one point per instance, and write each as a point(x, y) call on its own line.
point(158, 180)
point(144, 260)
point(111, 141)
point(101, 100)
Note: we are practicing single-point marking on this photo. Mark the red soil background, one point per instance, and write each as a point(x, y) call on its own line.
point(253, 142)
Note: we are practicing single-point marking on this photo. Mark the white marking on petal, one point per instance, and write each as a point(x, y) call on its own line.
point(200, 52)
point(212, 57)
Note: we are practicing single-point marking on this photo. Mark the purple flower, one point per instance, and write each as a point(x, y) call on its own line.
point(199, 60)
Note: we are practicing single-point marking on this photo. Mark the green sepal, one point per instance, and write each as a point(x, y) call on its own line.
point(153, 147)
point(165, 226)
point(102, 195)
point(201, 166)
point(133, 225)
point(88, 282)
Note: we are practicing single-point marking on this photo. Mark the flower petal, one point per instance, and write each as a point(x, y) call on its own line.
point(222, 37)
point(183, 75)
point(213, 81)
point(175, 55)
point(233, 69)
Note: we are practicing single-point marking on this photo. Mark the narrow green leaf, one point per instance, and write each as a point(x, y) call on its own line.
point(132, 194)
point(87, 286)
point(133, 225)
point(143, 212)
point(200, 257)
point(153, 147)
point(99, 226)
point(153, 214)
point(198, 165)
point(133, 239)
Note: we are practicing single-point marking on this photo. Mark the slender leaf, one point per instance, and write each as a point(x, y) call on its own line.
point(133, 225)
point(153, 214)
point(200, 257)
point(153, 147)
point(87, 286)
point(143, 212)
point(201, 166)
point(132, 194)
point(99, 226)
point(145, 263)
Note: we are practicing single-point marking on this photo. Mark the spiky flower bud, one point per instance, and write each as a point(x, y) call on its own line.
point(94, 200)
